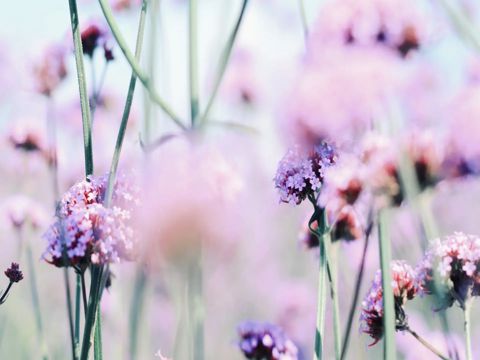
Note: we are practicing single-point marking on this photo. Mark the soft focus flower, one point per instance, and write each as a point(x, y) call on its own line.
point(120, 5)
point(404, 288)
point(395, 25)
point(93, 36)
point(261, 341)
point(13, 273)
point(50, 70)
point(85, 231)
point(453, 261)
point(19, 210)
point(28, 137)
point(300, 173)
point(190, 195)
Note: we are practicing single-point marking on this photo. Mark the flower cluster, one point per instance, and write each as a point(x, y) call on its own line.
point(86, 231)
point(453, 262)
point(264, 341)
point(50, 71)
point(300, 173)
point(13, 273)
point(391, 24)
point(404, 288)
point(93, 36)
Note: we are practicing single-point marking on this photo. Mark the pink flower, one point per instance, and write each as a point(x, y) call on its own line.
point(19, 210)
point(50, 70)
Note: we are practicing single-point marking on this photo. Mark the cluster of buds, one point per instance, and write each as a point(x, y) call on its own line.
point(264, 341)
point(450, 269)
point(14, 275)
point(404, 288)
point(300, 173)
point(94, 36)
point(86, 231)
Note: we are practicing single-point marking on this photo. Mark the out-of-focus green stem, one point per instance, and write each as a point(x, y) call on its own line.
point(78, 304)
point(97, 344)
point(224, 59)
point(82, 85)
point(136, 310)
point(467, 326)
point(196, 308)
point(126, 110)
point(146, 81)
point(193, 59)
point(303, 17)
point(388, 301)
point(321, 303)
point(426, 344)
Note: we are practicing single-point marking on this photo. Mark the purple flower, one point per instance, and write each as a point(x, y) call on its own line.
point(260, 341)
point(300, 173)
point(13, 273)
point(454, 260)
point(85, 231)
point(404, 288)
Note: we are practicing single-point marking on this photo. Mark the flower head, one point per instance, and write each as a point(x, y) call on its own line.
point(51, 70)
point(300, 173)
point(13, 273)
point(403, 287)
point(454, 261)
point(261, 341)
point(93, 36)
point(86, 231)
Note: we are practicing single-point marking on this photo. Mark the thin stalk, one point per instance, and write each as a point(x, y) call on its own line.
point(426, 344)
point(36, 302)
point(84, 292)
point(358, 285)
point(93, 302)
point(331, 255)
point(78, 301)
point(145, 80)
point(126, 109)
point(82, 85)
point(73, 338)
point(388, 301)
point(4, 296)
point(136, 310)
point(222, 66)
point(98, 90)
point(321, 303)
point(97, 344)
point(467, 326)
point(193, 60)
point(303, 18)
point(196, 306)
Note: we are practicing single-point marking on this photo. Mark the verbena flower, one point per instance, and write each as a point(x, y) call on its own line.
point(85, 231)
point(453, 261)
point(260, 341)
point(404, 288)
point(300, 173)
point(13, 273)
point(93, 36)
point(50, 70)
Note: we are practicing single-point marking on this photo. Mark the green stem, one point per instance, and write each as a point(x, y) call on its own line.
point(82, 85)
point(126, 109)
point(224, 59)
point(97, 344)
point(196, 306)
point(467, 326)
point(426, 344)
point(93, 302)
point(136, 310)
point(145, 80)
point(193, 60)
point(36, 302)
point(321, 303)
point(388, 301)
point(303, 17)
point(358, 285)
point(78, 301)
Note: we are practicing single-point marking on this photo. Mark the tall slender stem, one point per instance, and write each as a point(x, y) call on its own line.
point(303, 17)
point(193, 60)
point(426, 344)
point(331, 254)
point(145, 80)
point(321, 303)
point(136, 310)
point(82, 85)
point(78, 304)
point(224, 59)
point(388, 301)
point(97, 345)
point(196, 306)
point(126, 109)
point(467, 326)
point(358, 285)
